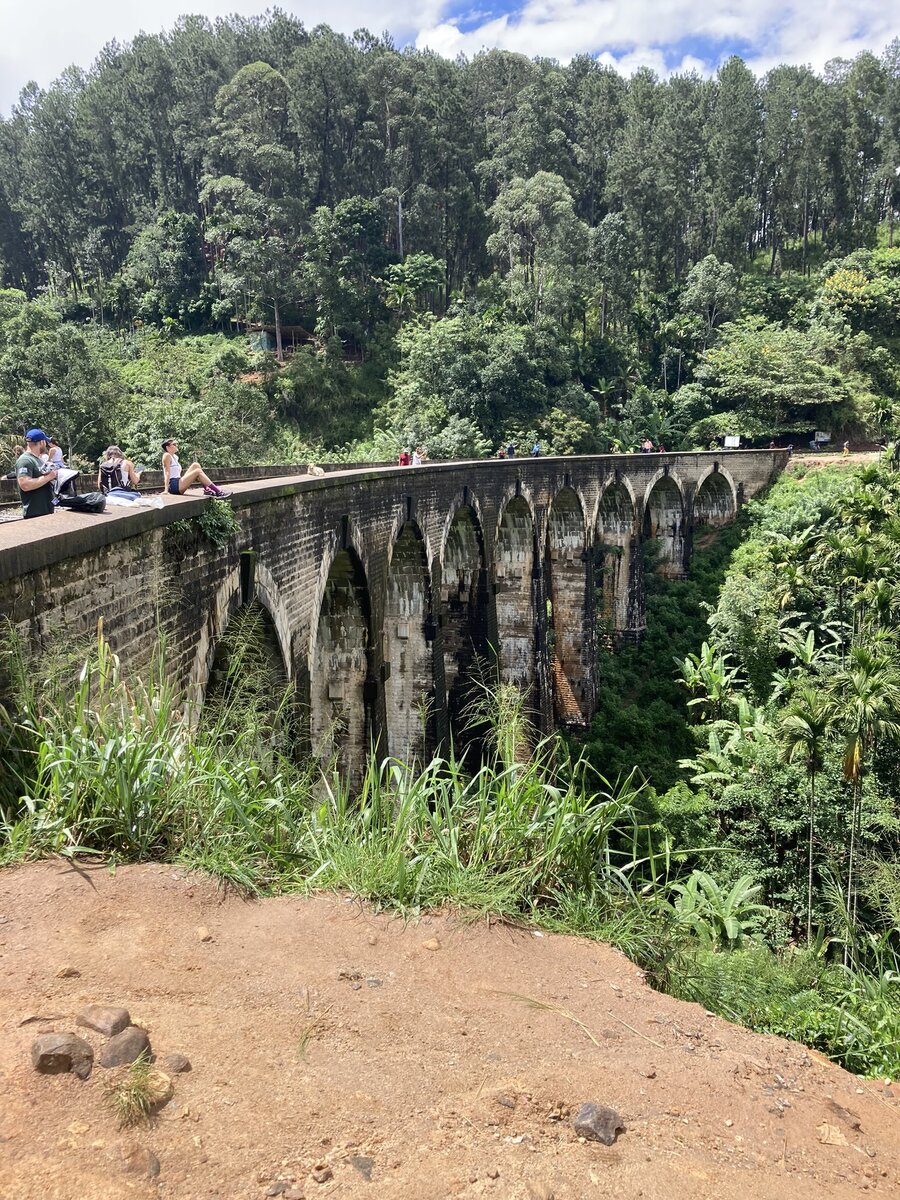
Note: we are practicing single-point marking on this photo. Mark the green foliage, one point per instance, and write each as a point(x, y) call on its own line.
point(716, 917)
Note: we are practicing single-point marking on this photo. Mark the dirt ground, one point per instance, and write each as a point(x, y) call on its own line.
point(327, 1038)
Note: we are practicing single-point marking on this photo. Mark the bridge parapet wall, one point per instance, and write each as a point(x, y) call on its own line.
point(140, 572)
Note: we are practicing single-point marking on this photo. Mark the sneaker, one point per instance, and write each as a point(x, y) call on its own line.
point(216, 492)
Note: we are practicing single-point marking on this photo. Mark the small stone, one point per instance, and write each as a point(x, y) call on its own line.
point(650, 1073)
point(278, 1188)
point(598, 1123)
point(56, 1053)
point(125, 1047)
point(138, 1160)
point(728, 1124)
point(176, 1064)
point(363, 1164)
point(322, 1174)
point(159, 1088)
point(373, 982)
point(372, 939)
point(295, 1193)
point(103, 1019)
point(431, 944)
point(506, 1101)
point(67, 972)
point(203, 934)
point(493, 1173)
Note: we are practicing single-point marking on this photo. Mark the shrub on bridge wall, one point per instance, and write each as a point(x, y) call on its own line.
point(217, 524)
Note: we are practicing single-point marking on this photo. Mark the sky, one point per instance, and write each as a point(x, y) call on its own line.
point(39, 38)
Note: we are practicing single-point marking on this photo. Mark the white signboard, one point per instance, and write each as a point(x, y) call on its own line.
point(822, 437)
point(732, 441)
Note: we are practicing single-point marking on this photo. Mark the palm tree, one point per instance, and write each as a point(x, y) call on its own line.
point(804, 733)
point(866, 698)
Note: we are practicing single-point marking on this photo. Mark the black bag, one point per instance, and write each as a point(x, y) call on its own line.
point(91, 502)
point(111, 475)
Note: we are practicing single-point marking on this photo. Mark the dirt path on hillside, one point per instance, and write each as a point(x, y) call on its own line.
point(326, 1038)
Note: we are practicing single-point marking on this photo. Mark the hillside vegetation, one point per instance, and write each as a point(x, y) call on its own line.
point(282, 242)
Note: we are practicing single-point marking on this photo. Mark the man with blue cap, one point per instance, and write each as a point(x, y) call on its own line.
point(34, 480)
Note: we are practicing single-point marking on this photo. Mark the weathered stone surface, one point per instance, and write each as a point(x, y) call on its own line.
point(56, 1053)
point(104, 1019)
point(363, 1164)
point(323, 1174)
point(125, 1047)
point(598, 1123)
point(176, 1064)
point(503, 539)
point(138, 1160)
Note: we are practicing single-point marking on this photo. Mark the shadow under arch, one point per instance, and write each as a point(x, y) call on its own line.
point(342, 691)
point(408, 640)
point(227, 601)
point(664, 522)
point(618, 561)
point(464, 617)
point(569, 609)
point(715, 500)
point(517, 573)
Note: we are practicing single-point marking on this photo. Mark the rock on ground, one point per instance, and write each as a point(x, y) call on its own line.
point(125, 1047)
point(57, 1053)
point(108, 1021)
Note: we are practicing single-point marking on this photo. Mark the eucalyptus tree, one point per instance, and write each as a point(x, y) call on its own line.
point(540, 245)
point(804, 732)
point(866, 701)
point(735, 129)
point(250, 191)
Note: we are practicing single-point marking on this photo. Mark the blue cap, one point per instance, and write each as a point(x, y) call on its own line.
point(36, 435)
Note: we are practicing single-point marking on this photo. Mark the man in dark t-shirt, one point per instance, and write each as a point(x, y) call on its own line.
point(35, 483)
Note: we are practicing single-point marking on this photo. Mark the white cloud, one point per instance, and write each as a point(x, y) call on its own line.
point(640, 32)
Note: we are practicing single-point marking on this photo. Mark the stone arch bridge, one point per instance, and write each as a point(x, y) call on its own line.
point(389, 588)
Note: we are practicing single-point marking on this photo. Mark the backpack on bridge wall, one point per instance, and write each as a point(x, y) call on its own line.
point(90, 502)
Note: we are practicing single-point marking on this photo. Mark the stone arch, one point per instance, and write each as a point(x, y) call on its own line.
point(517, 582)
point(229, 597)
point(408, 633)
point(463, 601)
point(341, 687)
point(664, 522)
point(570, 624)
point(618, 559)
point(715, 499)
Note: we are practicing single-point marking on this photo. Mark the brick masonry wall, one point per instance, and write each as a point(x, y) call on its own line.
point(137, 574)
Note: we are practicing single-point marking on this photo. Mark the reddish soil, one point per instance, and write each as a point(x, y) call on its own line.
point(438, 1080)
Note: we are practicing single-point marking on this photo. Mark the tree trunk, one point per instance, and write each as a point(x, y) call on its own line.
point(603, 311)
point(809, 881)
point(851, 894)
point(400, 224)
point(279, 350)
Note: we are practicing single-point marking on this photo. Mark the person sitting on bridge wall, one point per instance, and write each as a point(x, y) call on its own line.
point(117, 474)
point(177, 481)
point(34, 477)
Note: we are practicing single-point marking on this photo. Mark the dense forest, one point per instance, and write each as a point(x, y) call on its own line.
point(284, 242)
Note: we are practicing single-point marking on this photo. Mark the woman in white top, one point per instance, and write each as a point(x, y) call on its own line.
point(178, 480)
point(55, 455)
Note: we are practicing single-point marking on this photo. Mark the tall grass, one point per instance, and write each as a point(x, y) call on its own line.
point(112, 766)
